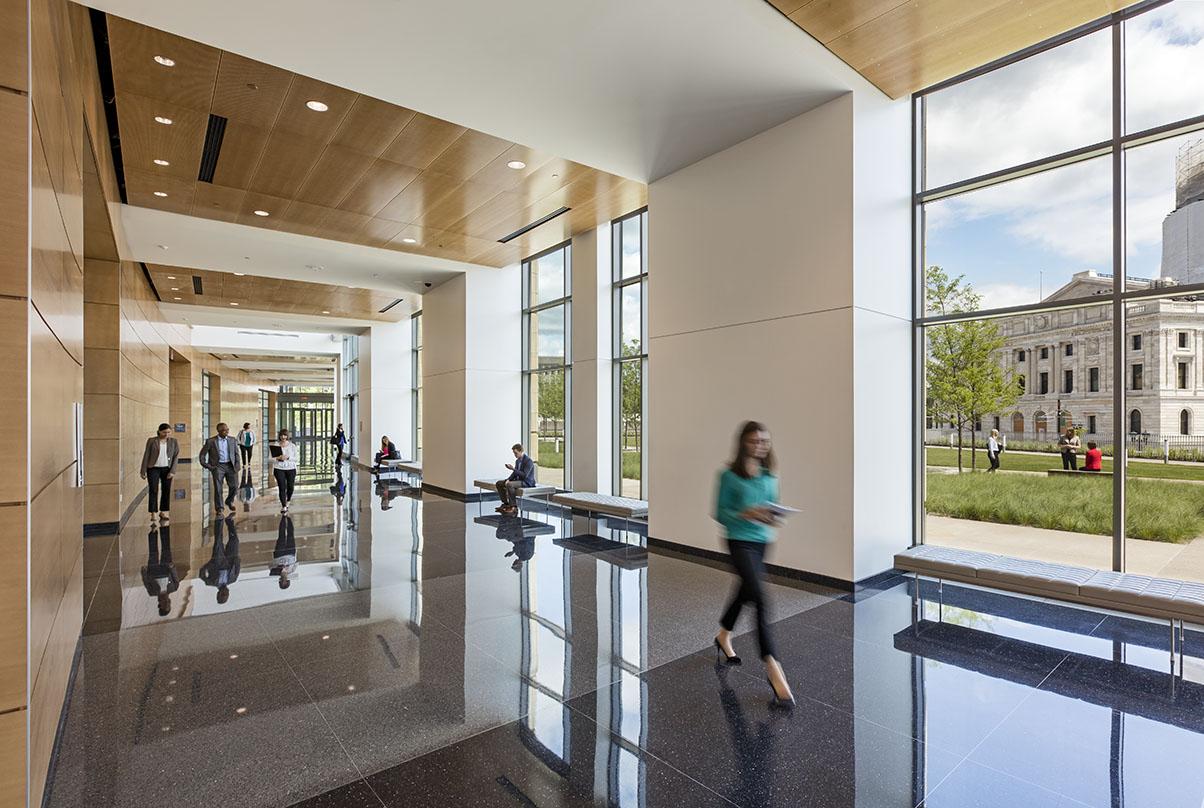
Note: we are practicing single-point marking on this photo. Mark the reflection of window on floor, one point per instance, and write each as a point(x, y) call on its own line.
point(415, 562)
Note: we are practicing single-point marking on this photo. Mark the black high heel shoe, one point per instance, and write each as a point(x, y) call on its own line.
point(777, 700)
point(731, 660)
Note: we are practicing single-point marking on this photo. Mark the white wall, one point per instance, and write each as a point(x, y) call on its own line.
point(759, 258)
point(386, 388)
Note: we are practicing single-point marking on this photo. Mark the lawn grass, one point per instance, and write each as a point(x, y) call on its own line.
point(1158, 511)
point(1010, 461)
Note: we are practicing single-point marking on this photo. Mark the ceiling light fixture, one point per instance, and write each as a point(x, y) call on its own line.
point(175, 288)
point(233, 304)
point(163, 60)
point(262, 213)
point(316, 106)
point(162, 120)
point(324, 311)
point(408, 240)
point(516, 165)
point(171, 277)
point(240, 274)
point(162, 163)
point(176, 298)
point(160, 193)
point(162, 246)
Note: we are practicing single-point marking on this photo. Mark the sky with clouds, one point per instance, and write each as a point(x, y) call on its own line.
point(1018, 240)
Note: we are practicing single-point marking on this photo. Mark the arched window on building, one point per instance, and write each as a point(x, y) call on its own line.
point(1184, 422)
point(1135, 421)
point(1040, 422)
point(1017, 423)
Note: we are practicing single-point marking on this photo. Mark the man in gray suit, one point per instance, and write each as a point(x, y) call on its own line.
point(220, 455)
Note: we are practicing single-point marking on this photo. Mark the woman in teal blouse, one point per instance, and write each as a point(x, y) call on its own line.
point(746, 489)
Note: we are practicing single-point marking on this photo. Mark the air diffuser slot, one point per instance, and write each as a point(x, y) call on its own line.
point(391, 305)
point(197, 288)
point(533, 225)
point(213, 147)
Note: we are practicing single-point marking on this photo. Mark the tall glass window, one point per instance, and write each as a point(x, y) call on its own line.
point(547, 367)
point(206, 405)
point(1060, 212)
point(416, 369)
point(629, 256)
point(350, 357)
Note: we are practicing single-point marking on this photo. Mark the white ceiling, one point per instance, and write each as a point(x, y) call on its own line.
point(227, 247)
point(638, 88)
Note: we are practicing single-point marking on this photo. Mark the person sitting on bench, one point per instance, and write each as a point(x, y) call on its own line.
point(1095, 458)
point(522, 475)
point(387, 452)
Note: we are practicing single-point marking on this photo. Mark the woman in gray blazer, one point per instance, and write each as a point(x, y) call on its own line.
point(158, 467)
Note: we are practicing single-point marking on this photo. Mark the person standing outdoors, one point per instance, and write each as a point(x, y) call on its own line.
point(284, 469)
point(220, 456)
point(339, 440)
point(747, 488)
point(1069, 445)
point(246, 440)
point(158, 467)
point(993, 448)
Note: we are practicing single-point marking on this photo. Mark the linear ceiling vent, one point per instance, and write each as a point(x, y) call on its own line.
point(533, 225)
point(391, 305)
point(270, 334)
point(197, 288)
point(213, 147)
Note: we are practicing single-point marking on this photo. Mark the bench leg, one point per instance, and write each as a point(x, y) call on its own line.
point(1172, 645)
point(940, 594)
point(916, 604)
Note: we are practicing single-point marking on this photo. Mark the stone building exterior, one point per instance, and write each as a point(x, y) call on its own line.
point(1062, 360)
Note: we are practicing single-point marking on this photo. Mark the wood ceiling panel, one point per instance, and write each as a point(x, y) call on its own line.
point(371, 126)
point(906, 45)
point(362, 171)
point(337, 171)
point(248, 91)
point(134, 47)
point(422, 140)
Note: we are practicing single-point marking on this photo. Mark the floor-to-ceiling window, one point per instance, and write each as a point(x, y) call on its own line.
point(1059, 264)
point(206, 405)
point(349, 360)
point(416, 371)
point(547, 368)
point(629, 258)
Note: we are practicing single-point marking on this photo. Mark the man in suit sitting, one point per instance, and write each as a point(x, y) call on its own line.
point(221, 457)
point(522, 475)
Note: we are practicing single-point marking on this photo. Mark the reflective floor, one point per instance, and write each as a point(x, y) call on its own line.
point(428, 652)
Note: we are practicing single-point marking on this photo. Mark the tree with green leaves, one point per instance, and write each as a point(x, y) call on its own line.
point(631, 402)
point(965, 377)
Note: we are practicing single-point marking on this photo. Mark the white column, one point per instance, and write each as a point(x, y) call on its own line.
point(386, 388)
point(592, 402)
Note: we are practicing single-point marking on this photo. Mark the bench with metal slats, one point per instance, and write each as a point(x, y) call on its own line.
point(410, 466)
point(531, 491)
point(1164, 598)
point(625, 508)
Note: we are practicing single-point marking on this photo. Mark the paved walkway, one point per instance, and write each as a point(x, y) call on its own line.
point(1163, 559)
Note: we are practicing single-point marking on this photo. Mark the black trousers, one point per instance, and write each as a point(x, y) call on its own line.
point(748, 559)
point(338, 454)
point(1070, 461)
point(159, 492)
point(994, 458)
point(285, 480)
point(246, 453)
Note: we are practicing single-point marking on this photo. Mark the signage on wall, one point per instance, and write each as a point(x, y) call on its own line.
point(179, 427)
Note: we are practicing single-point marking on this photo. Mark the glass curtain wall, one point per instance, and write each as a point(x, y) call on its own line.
point(1059, 269)
point(547, 366)
point(350, 356)
point(416, 369)
point(629, 253)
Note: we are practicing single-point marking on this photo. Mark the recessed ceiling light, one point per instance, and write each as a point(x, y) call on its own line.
point(240, 274)
point(409, 240)
point(316, 106)
point(162, 120)
point(175, 288)
point(516, 164)
point(162, 246)
point(233, 304)
point(262, 213)
point(171, 277)
point(176, 298)
point(163, 60)
point(160, 193)
point(162, 163)
point(325, 312)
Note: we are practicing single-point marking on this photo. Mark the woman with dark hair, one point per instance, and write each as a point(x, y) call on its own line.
point(284, 469)
point(157, 468)
point(747, 489)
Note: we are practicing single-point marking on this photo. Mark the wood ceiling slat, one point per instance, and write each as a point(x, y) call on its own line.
point(468, 154)
point(242, 148)
point(337, 171)
point(253, 201)
point(378, 232)
point(188, 83)
point(286, 162)
point(498, 174)
point(427, 190)
point(423, 139)
point(299, 119)
point(827, 19)
point(217, 202)
point(382, 182)
point(453, 207)
point(144, 139)
point(371, 126)
point(140, 188)
point(248, 91)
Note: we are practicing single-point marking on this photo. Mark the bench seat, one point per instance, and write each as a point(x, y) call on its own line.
point(624, 507)
point(1077, 472)
point(1142, 594)
point(528, 491)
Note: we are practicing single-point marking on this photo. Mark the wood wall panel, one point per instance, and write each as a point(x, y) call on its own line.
point(56, 382)
point(14, 196)
point(14, 603)
point(14, 337)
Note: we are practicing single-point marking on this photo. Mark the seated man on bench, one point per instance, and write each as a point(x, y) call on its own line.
point(387, 452)
point(522, 475)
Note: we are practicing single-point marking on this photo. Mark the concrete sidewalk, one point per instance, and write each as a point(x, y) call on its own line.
point(1165, 560)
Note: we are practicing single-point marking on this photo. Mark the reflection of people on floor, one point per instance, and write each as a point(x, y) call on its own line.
point(246, 490)
point(284, 555)
point(339, 489)
point(511, 529)
point(159, 575)
point(387, 493)
point(755, 748)
point(221, 570)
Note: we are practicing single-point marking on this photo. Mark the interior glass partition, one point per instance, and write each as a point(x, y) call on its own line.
point(416, 369)
point(1059, 264)
point(629, 256)
point(547, 363)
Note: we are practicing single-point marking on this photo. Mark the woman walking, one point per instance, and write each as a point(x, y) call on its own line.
point(284, 469)
point(742, 506)
point(993, 450)
point(340, 443)
point(246, 440)
point(158, 467)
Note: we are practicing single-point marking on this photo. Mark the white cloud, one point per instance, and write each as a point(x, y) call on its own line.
point(1002, 295)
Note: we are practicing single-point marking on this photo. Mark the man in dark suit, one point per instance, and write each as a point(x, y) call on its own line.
point(222, 569)
point(522, 475)
point(221, 457)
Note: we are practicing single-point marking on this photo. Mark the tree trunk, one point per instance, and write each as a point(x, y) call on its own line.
point(960, 428)
point(974, 445)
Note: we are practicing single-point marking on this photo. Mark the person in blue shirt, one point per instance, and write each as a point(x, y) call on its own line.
point(522, 475)
point(746, 489)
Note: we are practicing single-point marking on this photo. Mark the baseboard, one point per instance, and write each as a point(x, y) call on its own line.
point(60, 730)
point(101, 529)
point(459, 496)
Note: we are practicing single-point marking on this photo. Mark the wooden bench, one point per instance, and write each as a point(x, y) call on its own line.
point(625, 508)
point(545, 491)
point(1057, 472)
point(1160, 598)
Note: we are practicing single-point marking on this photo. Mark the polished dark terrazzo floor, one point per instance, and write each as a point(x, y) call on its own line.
point(428, 653)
